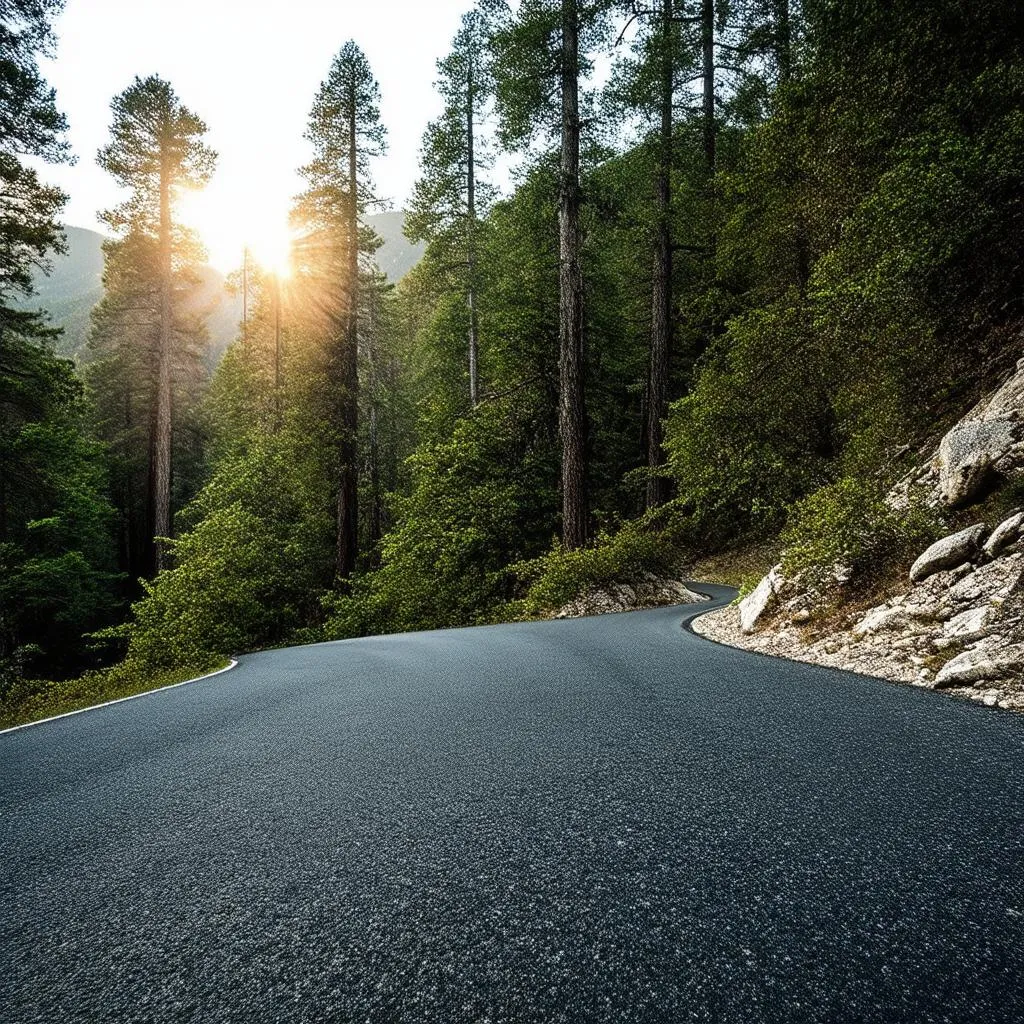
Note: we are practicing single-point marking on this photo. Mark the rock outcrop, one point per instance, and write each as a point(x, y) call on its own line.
point(645, 591)
point(948, 553)
point(987, 442)
point(957, 624)
point(1006, 535)
point(760, 600)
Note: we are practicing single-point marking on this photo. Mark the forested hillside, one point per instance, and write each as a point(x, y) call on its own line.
point(755, 254)
point(73, 284)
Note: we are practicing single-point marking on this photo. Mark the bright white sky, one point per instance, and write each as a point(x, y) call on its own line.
point(250, 69)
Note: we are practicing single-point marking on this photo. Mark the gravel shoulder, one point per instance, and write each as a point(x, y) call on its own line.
point(841, 650)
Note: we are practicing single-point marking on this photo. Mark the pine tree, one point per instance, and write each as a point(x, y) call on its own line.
point(449, 198)
point(541, 55)
point(663, 59)
point(54, 583)
point(156, 150)
point(346, 134)
point(121, 368)
point(30, 125)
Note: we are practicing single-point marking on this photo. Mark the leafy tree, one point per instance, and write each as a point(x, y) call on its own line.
point(155, 151)
point(473, 509)
point(55, 564)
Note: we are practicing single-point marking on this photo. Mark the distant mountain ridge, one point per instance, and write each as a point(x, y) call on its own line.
point(75, 284)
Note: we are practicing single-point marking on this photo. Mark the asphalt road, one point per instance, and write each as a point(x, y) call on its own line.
point(606, 819)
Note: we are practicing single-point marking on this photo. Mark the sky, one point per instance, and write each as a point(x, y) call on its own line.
point(250, 70)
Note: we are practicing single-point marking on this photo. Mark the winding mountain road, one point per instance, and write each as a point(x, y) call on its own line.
point(604, 819)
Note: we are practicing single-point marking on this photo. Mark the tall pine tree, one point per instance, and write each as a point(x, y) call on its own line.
point(156, 150)
point(346, 134)
point(541, 55)
point(53, 517)
point(449, 198)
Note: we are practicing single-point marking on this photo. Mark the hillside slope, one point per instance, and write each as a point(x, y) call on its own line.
point(952, 620)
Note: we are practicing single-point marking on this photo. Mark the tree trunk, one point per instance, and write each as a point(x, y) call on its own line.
point(783, 41)
point(278, 405)
point(375, 517)
point(707, 25)
point(661, 301)
point(474, 396)
point(348, 489)
point(161, 456)
point(572, 410)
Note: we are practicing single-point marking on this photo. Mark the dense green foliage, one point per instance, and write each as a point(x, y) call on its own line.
point(847, 528)
point(55, 552)
point(845, 218)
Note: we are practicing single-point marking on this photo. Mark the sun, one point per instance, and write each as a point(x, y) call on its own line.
point(229, 223)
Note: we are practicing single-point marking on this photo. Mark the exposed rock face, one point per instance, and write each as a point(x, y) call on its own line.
point(980, 665)
point(989, 439)
point(972, 624)
point(760, 600)
point(1005, 535)
point(958, 625)
point(948, 553)
point(647, 591)
point(967, 455)
point(960, 630)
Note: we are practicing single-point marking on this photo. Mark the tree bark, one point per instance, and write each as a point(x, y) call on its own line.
point(707, 25)
point(572, 409)
point(375, 517)
point(278, 405)
point(474, 395)
point(783, 41)
point(661, 299)
point(348, 489)
point(160, 476)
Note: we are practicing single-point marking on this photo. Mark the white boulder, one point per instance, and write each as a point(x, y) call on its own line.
point(760, 600)
point(948, 553)
point(980, 664)
point(968, 453)
point(1008, 532)
point(880, 619)
point(970, 625)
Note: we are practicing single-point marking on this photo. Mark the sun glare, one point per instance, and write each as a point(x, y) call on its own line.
point(228, 225)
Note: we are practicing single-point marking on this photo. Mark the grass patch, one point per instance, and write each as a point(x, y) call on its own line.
point(29, 700)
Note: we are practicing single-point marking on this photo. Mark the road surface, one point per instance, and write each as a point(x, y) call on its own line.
point(605, 819)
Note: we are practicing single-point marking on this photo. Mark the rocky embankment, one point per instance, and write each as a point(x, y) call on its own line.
point(957, 624)
point(647, 591)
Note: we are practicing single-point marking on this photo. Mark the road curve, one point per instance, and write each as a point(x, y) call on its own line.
point(603, 819)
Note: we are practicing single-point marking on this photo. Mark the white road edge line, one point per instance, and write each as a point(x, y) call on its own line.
point(120, 700)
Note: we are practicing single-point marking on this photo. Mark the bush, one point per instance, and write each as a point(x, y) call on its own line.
point(848, 524)
point(30, 700)
point(247, 573)
point(755, 432)
point(480, 501)
point(559, 576)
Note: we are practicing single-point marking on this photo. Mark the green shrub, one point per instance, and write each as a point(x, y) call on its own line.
point(247, 573)
point(754, 433)
point(847, 523)
point(559, 576)
point(480, 501)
